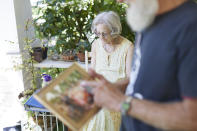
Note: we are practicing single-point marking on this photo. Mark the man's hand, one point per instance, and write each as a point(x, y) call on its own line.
point(95, 84)
point(121, 84)
point(105, 94)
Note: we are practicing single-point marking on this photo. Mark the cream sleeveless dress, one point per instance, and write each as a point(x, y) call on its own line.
point(113, 67)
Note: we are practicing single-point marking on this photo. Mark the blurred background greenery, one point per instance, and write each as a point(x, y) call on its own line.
point(65, 24)
point(68, 22)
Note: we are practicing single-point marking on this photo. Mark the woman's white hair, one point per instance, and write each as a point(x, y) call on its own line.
point(111, 19)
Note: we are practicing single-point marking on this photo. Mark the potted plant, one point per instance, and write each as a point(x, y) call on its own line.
point(39, 53)
point(67, 21)
point(68, 55)
point(82, 46)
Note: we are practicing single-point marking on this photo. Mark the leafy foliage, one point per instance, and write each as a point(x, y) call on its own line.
point(70, 21)
point(53, 72)
point(82, 46)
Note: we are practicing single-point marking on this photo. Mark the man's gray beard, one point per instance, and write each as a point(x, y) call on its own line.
point(141, 14)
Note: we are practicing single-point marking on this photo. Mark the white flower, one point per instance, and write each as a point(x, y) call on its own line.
point(50, 96)
point(57, 88)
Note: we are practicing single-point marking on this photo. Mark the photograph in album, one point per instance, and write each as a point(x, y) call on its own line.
point(66, 99)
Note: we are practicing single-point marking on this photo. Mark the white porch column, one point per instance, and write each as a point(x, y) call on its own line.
point(23, 13)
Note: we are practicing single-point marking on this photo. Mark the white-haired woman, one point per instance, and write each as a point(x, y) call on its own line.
point(111, 57)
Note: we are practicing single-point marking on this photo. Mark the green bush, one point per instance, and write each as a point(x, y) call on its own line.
point(70, 21)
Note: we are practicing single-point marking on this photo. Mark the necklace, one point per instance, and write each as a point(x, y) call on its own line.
point(108, 48)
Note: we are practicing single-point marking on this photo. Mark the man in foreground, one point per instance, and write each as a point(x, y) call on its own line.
point(162, 91)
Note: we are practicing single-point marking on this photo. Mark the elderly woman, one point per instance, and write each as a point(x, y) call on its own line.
point(111, 57)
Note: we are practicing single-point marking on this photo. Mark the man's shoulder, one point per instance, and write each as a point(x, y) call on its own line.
point(186, 29)
point(185, 13)
point(188, 12)
point(183, 21)
point(177, 19)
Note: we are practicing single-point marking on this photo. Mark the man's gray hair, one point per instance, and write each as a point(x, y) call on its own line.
point(110, 19)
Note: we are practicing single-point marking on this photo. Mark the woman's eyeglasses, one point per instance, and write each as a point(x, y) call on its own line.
point(102, 34)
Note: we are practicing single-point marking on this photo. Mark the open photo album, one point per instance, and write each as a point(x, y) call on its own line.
point(65, 98)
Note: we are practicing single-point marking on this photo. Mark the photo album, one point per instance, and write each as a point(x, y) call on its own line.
point(66, 99)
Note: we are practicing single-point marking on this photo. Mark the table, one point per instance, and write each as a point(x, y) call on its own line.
point(57, 64)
